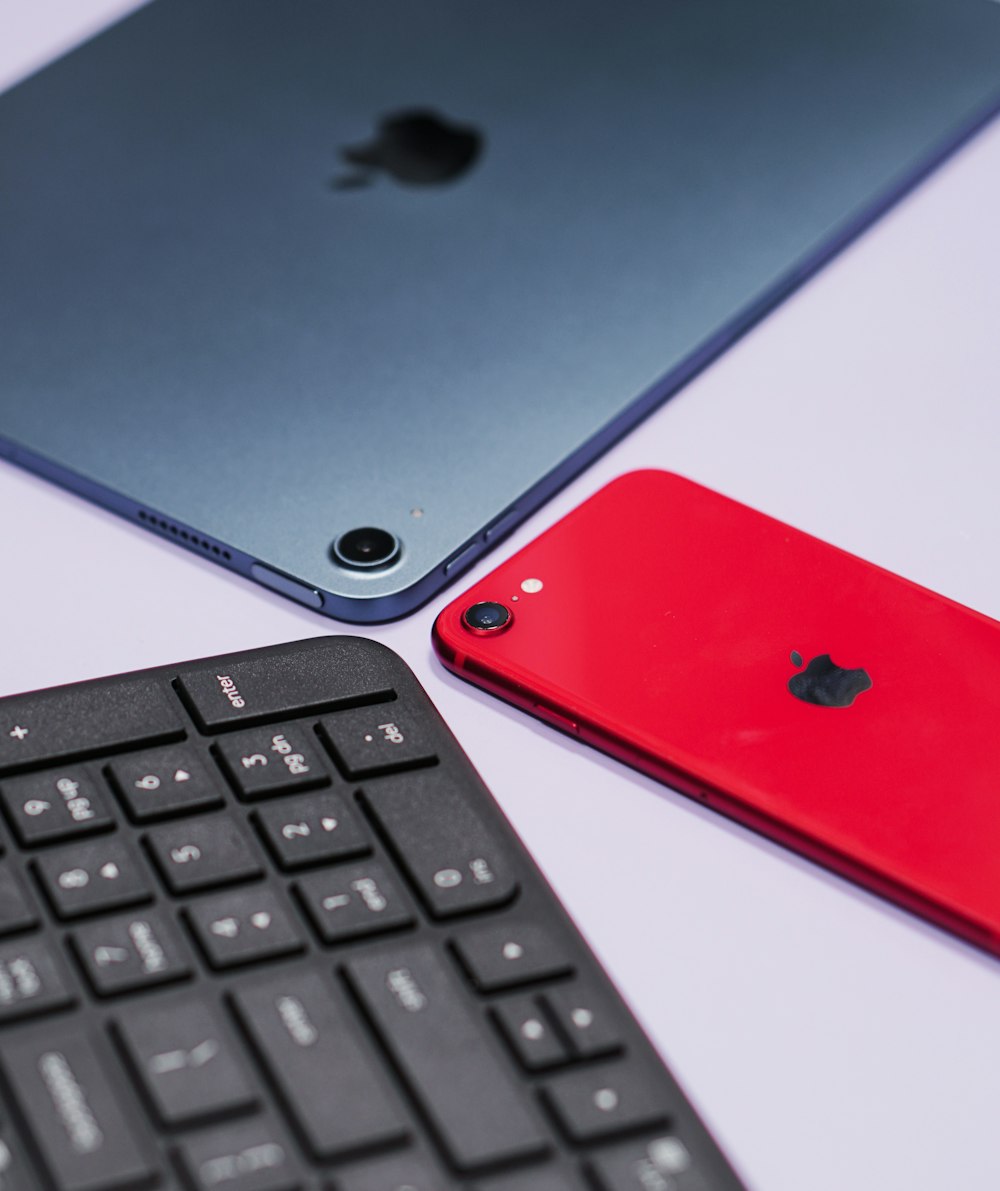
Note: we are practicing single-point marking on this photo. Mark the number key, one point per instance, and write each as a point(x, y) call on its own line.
point(44, 807)
point(241, 928)
point(201, 854)
point(348, 901)
point(131, 951)
point(268, 761)
point(457, 862)
point(311, 829)
point(87, 878)
point(164, 782)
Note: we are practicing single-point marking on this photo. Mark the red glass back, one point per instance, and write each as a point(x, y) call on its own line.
point(664, 633)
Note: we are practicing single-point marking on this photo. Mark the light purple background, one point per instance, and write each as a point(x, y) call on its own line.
point(830, 1041)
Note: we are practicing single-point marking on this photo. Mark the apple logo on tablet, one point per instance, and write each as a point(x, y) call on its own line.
point(416, 147)
point(826, 684)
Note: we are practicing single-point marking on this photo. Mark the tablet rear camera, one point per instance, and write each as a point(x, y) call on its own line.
point(487, 617)
point(366, 549)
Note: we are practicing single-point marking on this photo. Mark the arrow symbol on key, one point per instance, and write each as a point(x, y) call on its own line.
point(181, 775)
point(203, 1053)
point(261, 920)
point(328, 824)
point(178, 1060)
point(109, 955)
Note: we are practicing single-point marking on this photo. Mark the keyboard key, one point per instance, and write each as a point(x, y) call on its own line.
point(594, 1104)
point(90, 877)
point(440, 1047)
point(352, 900)
point(31, 980)
point(64, 804)
point(529, 1033)
point(585, 1017)
point(202, 854)
point(242, 928)
point(311, 829)
point(250, 689)
point(165, 782)
point(129, 952)
point(15, 1173)
point(380, 739)
point(186, 1060)
point(270, 761)
point(16, 911)
point(455, 861)
point(402, 1172)
point(511, 953)
point(249, 1156)
point(79, 721)
point(71, 1109)
point(549, 1179)
point(310, 1044)
point(664, 1164)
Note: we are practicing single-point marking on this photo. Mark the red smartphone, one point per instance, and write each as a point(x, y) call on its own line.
point(831, 705)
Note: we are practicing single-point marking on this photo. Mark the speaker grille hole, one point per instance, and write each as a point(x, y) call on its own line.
point(185, 535)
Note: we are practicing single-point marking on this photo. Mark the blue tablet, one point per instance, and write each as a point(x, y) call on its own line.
point(336, 293)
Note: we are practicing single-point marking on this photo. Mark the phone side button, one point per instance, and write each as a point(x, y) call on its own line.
point(557, 720)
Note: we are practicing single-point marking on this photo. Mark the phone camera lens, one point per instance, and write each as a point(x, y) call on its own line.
point(366, 549)
point(487, 617)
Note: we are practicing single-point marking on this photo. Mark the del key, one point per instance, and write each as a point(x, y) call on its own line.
point(456, 862)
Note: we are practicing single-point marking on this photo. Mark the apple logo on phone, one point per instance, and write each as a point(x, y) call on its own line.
point(417, 147)
point(826, 684)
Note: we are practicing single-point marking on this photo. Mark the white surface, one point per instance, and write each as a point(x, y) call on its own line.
point(830, 1040)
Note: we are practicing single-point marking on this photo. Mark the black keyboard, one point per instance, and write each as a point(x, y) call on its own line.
point(263, 928)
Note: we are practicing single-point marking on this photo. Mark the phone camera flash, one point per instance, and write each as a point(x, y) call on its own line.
point(530, 586)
